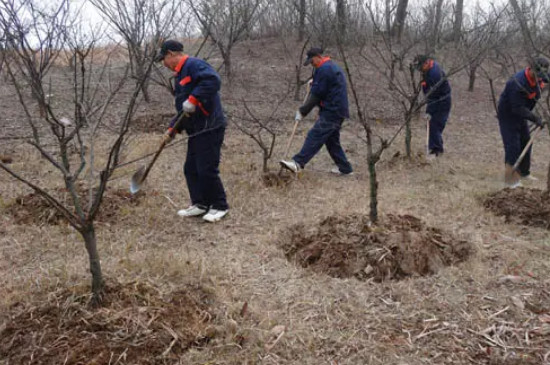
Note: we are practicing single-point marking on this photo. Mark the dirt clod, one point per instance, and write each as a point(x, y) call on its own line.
point(349, 246)
point(138, 325)
point(6, 159)
point(530, 207)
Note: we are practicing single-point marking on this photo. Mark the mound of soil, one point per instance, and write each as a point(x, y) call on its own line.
point(418, 160)
point(6, 159)
point(528, 207)
point(33, 209)
point(139, 325)
point(272, 179)
point(151, 123)
point(399, 247)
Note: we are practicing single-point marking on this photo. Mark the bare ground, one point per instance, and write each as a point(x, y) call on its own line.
point(489, 309)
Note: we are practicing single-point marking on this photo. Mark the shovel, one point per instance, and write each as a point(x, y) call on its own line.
point(140, 175)
point(524, 152)
point(293, 131)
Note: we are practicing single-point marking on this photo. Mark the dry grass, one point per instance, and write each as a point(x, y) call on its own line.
point(491, 309)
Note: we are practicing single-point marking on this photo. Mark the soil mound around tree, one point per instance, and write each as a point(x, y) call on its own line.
point(530, 207)
point(272, 179)
point(138, 325)
point(349, 246)
point(33, 209)
point(151, 123)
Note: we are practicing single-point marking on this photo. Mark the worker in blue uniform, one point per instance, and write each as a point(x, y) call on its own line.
point(515, 110)
point(329, 93)
point(197, 87)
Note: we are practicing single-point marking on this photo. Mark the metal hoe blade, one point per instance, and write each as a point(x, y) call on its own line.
point(137, 180)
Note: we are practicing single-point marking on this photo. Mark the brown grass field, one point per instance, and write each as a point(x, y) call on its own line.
point(181, 291)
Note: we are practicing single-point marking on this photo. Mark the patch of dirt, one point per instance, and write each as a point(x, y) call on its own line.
point(152, 123)
point(138, 325)
point(530, 207)
point(349, 246)
point(418, 160)
point(272, 179)
point(33, 209)
point(6, 159)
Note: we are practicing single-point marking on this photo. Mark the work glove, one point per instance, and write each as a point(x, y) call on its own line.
point(168, 136)
point(189, 107)
point(538, 122)
point(298, 116)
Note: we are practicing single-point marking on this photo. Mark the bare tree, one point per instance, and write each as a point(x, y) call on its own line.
point(94, 95)
point(436, 26)
point(302, 20)
point(226, 22)
point(400, 16)
point(458, 16)
point(142, 24)
point(528, 44)
point(341, 18)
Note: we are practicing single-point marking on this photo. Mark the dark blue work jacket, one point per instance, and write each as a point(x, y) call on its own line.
point(436, 88)
point(519, 97)
point(197, 81)
point(329, 85)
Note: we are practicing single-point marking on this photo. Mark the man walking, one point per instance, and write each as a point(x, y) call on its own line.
point(328, 92)
point(520, 95)
point(197, 94)
point(437, 89)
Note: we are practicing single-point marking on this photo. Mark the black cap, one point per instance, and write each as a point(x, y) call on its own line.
point(419, 60)
point(169, 45)
point(315, 51)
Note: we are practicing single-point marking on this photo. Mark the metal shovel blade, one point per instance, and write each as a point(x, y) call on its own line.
point(137, 180)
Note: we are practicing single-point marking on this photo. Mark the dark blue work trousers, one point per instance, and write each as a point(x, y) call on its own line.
point(324, 132)
point(515, 136)
point(439, 114)
point(201, 169)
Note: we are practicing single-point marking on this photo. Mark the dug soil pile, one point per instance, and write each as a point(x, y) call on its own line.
point(33, 209)
point(138, 325)
point(398, 247)
point(528, 207)
point(151, 123)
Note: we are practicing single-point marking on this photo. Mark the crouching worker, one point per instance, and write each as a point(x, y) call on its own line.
point(437, 89)
point(197, 94)
point(515, 109)
point(328, 92)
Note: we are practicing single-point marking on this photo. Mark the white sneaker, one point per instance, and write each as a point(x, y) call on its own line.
point(431, 157)
point(214, 215)
point(192, 211)
point(336, 171)
point(514, 185)
point(291, 165)
point(529, 177)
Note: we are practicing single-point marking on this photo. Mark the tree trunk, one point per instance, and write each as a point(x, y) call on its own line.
point(373, 182)
point(437, 24)
point(302, 20)
point(528, 45)
point(472, 78)
point(400, 15)
point(341, 18)
point(298, 84)
point(408, 135)
point(387, 16)
point(90, 241)
point(457, 25)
